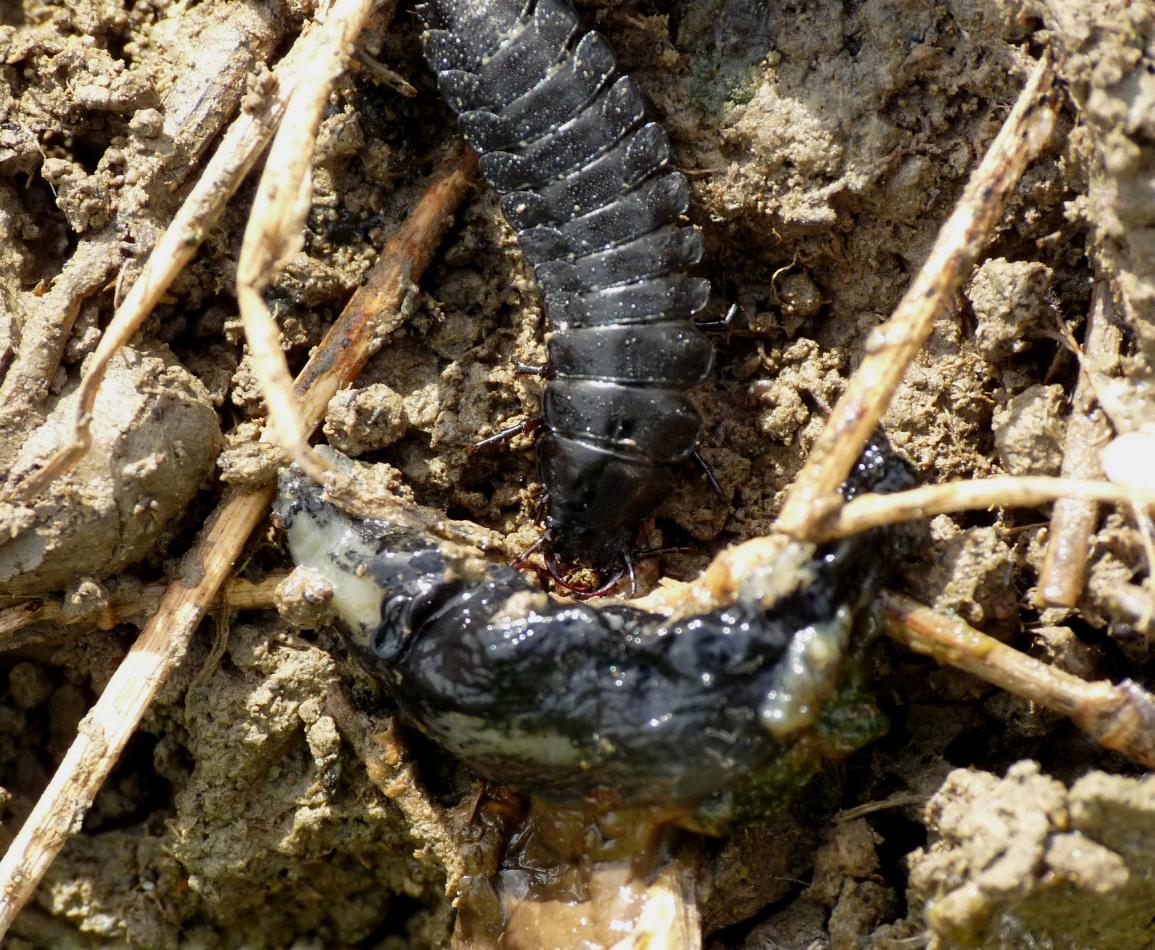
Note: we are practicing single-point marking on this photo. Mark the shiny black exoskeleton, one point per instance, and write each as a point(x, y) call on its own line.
point(584, 183)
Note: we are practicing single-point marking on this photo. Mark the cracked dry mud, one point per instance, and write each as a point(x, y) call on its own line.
point(825, 143)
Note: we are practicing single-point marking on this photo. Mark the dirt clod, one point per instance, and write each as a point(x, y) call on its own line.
point(155, 436)
point(1025, 855)
point(1029, 432)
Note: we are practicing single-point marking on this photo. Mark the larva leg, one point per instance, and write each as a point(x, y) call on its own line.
point(711, 478)
point(508, 434)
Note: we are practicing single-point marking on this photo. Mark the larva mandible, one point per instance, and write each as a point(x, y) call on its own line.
point(584, 183)
point(567, 700)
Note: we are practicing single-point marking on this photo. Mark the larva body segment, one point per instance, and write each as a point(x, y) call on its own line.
point(670, 354)
point(564, 139)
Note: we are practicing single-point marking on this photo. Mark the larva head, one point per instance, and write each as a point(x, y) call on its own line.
point(596, 500)
point(608, 555)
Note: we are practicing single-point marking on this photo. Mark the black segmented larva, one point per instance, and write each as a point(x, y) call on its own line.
point(583, 181)
point(567, 700)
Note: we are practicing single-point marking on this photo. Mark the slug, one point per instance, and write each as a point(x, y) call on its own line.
point(571, 701)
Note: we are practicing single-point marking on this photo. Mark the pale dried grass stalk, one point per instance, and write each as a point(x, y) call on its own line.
point(892, 346)
point(1119, 716)
point(1073, 519)
point(241, 146)
point(1001, 491)
point(275, 229)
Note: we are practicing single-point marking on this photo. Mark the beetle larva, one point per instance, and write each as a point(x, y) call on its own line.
point(584, 183)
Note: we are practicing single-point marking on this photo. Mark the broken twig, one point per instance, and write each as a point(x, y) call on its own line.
point(1073, 519)
point(239, 150)
point(1118, 716)
point(1002, 491)
point(275, 230)
point(892, 346)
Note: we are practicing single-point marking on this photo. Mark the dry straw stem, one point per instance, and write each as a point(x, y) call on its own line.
point(390, 769)
point(1003, 491)
point(103, 733)
point(379, 307)
point(121, 606)
point(892, 347)
point(34, 365)
point(1118, 716)
point(240, 148)
point(1135, 605)
point(1073, 519)
point(275, 227)
point(195, 109)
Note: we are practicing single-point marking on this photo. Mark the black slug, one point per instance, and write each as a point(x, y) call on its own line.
point(569, 700)
point(584, 183)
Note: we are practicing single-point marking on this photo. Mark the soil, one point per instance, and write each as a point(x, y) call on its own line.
point(826, 142)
